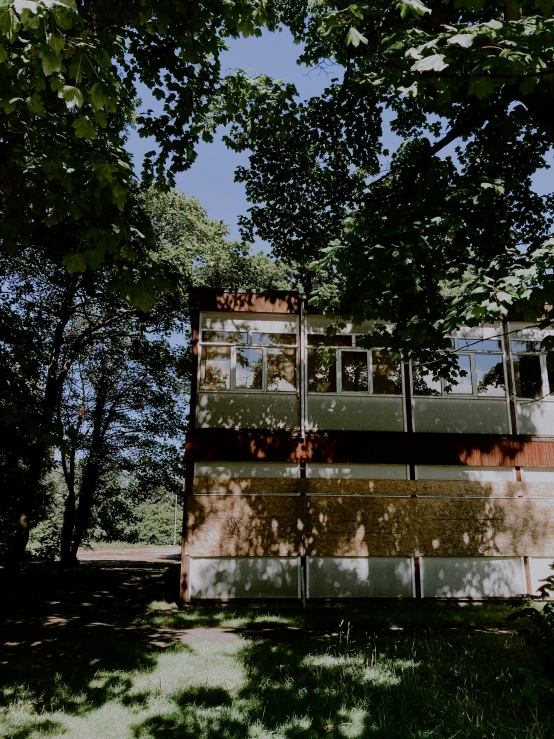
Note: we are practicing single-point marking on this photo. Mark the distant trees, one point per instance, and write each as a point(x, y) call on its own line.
point(88, 374)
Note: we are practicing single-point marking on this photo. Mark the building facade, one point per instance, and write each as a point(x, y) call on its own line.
point(318, 468)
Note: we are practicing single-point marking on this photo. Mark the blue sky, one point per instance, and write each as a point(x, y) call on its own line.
point(211, 178)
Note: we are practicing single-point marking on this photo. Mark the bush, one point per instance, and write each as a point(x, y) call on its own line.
point(156, 522)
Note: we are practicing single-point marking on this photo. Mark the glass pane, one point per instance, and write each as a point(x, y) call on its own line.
point(526, 346)
point(281, 369)
point(249, 369)
point(489, 370)
point(550, 371)
point(354, 372)
point(322, 376)
point(527, 375)
point(387, 374)
point(315, 339)
point(477, 345)
point(272, 339)
point(225, 337)
point(464, 386)
point(215, 368)
point(423, 381)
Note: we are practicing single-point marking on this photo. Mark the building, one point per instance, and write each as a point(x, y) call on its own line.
point(360, 476)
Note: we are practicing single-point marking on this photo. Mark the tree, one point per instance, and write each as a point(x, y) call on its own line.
point(468, 87)
point(86, 372)
point(69, 72)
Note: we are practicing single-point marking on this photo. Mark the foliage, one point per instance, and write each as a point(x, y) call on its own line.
point(156, 522)
point(466, 87)
point(86, 372)
point(69, 72)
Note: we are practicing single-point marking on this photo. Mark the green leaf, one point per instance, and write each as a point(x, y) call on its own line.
point(3, 54)
point(433, 63)
point(462, 39)
point(74, 263)
point(98, 96)
point(73, 96)
point(94, 258)
point(482, 87)
point(9, 23)
point(84, 129)
point(412, 7)
point(56, 41)
point(354, 37)
point(104, 171)
point(51, 61)
point(64, 12)
point(142, 296)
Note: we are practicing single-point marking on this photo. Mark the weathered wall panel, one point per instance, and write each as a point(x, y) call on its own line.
point(247, 410)
point(461, 415)
point(494, 527)
point(406, 488)
point(355, 526)
point(360, 577)
point(540, 568)
point(472, 578)
point(244, 577)
point(327, 411)
point(233, 526)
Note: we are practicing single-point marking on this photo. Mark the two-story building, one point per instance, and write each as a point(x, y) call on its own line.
point(318, 468)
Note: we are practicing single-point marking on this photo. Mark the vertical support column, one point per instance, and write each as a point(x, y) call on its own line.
point(527, 570)
point(184, 583)
point(510, 384)
point(303, 555)
point(408, 407)
point(303, 362)
point(417, 577)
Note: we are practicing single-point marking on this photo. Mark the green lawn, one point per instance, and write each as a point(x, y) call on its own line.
point(97, 654)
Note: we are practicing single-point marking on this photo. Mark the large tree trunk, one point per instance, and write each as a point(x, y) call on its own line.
point(38, 457)
point(88, 487)
point(101, 420)
point(37, 460)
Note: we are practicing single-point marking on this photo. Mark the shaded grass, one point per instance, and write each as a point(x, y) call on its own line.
point(103, 677)
point(364, 615)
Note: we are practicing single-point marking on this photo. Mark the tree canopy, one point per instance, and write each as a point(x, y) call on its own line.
point(445, 230)
point(69, 72)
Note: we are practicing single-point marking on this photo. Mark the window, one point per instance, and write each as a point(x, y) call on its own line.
point(387, 373)
point(281, 369)
point(533, 369)
point(215, 368)
point(249, 369)
point(353, 370)
point(480, 371)
point(248, 362)
point(322, 374)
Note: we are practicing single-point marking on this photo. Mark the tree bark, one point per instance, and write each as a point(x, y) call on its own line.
point(38, 456)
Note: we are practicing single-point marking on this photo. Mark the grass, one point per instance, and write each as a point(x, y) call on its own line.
point(93, 655)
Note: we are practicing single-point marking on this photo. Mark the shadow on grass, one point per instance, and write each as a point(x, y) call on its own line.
point(68, 639)
point(393, 688)
point(77, 641)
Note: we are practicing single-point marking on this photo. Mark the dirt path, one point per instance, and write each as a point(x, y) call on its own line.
point(147, 555)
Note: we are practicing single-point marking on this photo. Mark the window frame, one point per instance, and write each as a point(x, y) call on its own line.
point(547, 393)
point(338, 363)
point(501, 352)
point(249, 345)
